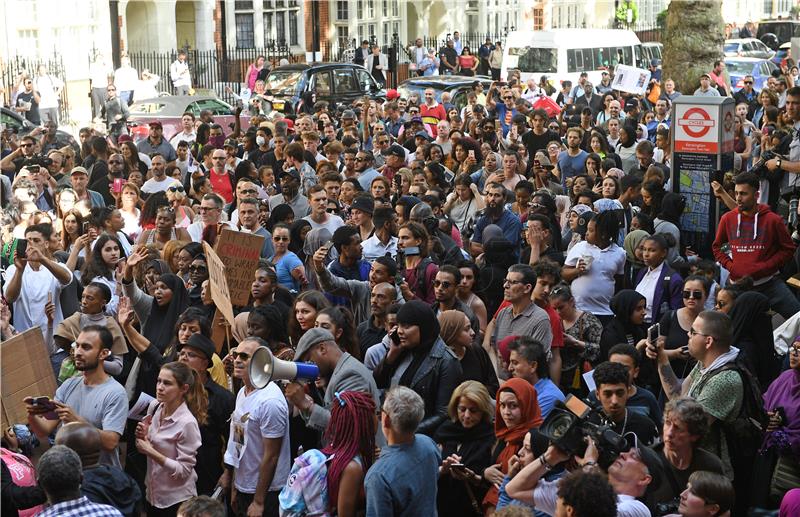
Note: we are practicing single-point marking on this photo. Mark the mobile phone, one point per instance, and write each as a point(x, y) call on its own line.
point(460, 466)
point(85, 227)
point(217, 494)
point(22, 247)
point(471, 154)
point(653, 332)
point(781, 412)
point(497, 124)
point(327, 246)
point(411, 251)
point(117, 185)
point(395, 337)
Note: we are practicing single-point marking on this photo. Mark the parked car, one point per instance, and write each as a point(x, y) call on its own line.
point(332, 82)
point(784, 31)
point(457, 85)
point(783, 52)
point(12, 121)
point(747, 47)
point(169, 109)
point(738, 67)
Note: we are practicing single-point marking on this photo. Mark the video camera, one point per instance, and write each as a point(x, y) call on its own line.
point(569, 422)
point(38, 160)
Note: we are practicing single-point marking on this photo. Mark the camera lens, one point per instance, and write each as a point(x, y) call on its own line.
point(558, 426)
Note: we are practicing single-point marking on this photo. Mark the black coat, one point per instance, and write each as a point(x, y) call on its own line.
point(434, 381)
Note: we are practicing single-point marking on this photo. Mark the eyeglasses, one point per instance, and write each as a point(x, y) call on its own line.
point(509, 281)
point(242, 356)
point(508, 98)
point(26, 145)
point(748, 82)
point(218, 158)
point(249, 191)
point(198, 268)
point(204, 209)
point(693, 332)
point(383, 141)
point(331, 210)
point(439, 283)
point(176, 188)
point(116, 161)
point(280, 239)
point(696, 295)
point(189, 355)
point(360, 159)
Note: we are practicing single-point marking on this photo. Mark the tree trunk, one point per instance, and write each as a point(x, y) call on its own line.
point(693, 40)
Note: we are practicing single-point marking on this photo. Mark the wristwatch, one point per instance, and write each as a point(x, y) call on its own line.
point(779, 162)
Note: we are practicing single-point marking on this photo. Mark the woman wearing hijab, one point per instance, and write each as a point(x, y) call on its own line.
point(457, 333)
point(752, 335)
point(634, 260)
point(627, 325)
point(626, 148)
point(466, 439)
point(570, 236)
point(668, 221)
point(421, 360)
point(517, 412)
point(297, 233)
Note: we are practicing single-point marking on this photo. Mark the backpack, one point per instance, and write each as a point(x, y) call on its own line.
point(306, 490)
point(422, 286)
point(744, 433)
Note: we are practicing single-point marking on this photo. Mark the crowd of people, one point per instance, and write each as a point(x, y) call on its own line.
point(465, 278)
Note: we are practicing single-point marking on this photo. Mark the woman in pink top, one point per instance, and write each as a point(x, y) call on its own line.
point(169, 436)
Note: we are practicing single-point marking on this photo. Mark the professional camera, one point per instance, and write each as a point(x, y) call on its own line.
point(39, 159)
point(569, 422)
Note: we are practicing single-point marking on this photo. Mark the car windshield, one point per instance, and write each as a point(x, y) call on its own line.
point(529, 59)
point(739, 67)
point(147, 108)
point(731, 48)
point(284, 82)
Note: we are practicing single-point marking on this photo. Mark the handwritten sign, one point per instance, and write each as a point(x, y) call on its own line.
point(218, 283)
point(239, 252)
point(26, 372)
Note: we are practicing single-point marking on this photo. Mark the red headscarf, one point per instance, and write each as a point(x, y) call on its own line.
point(513, 436)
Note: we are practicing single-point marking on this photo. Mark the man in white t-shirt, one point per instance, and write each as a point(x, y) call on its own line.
point(159, 182)
point(257, 459)
point(188, 133)
point(34, 280)
point(126, 79)
point(319, 216)
point(49, 88)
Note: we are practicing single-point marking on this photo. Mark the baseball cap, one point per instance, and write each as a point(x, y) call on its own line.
point(348, 114)
point(289, 124)
point(312, 337)
point(291, 172)
point(156, 123)
point(631, 103)
point(392, 94)
point(416, 118)
point(78, 170)
point(231, 142)
point(705, 75)
point(423, 134)
point(124, 138)
point(363, 203)
point(396, 150)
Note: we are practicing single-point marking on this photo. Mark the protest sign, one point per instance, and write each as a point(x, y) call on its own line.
point(631, 79)
point(218, 283)
point(240, 252)
point(26, 372)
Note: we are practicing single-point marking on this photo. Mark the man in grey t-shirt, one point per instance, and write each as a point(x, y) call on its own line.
point(94, 397)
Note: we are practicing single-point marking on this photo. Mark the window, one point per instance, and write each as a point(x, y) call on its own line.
point(370, 8)
point(360, 8)
point(29, 40)
point(385, 34)
point(538, 19)
point(385, 11)
point(293, 27)
point(371, 28)
point(267, 4)
point(280, 24)
point(243, 5)
point(245, 36)
point(269, 34)
point(214, 106)
point(344, 82)
point(395, 7)
point(342, 9)
point(364, 80)
point(321, 83)
point(360, 35)
point(396, 29)
point(539, 60)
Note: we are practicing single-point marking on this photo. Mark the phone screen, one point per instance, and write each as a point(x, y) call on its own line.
point(22, 248)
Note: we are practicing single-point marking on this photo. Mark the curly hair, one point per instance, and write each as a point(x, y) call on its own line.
point(588, 493)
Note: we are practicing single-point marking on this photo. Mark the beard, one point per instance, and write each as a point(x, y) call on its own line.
point(88, 365)
point(494, 210)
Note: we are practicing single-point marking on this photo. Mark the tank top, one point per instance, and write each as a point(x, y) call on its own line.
point(151, 237)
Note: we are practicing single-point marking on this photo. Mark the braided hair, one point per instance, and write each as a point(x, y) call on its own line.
point(350, 433)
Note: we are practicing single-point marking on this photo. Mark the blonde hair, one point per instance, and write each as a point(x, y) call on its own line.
point(171, 249)
point(475, 392)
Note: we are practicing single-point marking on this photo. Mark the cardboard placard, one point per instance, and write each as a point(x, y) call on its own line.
point(631, 79)
point(26, 372)
point(218, 283)
point(240, 252)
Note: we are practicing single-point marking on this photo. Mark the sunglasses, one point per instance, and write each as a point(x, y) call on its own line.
point(249, 191)
point(243, 356)
point(331, 210)
point(748, 82)
point(445, 285)
point(383, 141)
point(198, 268)
point(26, 145)
point(280, 239)
point(696, 295)
point(176, 188)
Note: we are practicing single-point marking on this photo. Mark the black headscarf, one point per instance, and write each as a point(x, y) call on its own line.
point(159, 328)
point(672, 206)
point(752, 334)
point(296, 241)
point(420, 314)
point(622, 305)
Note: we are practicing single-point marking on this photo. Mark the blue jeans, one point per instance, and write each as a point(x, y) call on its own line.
point(781, 298)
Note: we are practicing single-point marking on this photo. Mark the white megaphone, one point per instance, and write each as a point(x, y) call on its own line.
point(264, 367)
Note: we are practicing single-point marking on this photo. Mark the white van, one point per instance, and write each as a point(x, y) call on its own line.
point(562, 54)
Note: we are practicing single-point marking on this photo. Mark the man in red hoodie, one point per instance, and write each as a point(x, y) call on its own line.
point(759, 244)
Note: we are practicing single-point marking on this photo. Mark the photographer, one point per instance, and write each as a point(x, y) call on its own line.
point(15, 161)
point(115, 113)
point(629, 476)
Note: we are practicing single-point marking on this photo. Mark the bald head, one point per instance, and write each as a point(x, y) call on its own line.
point(383, 295)
point(420, 212)
point(82, 438)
